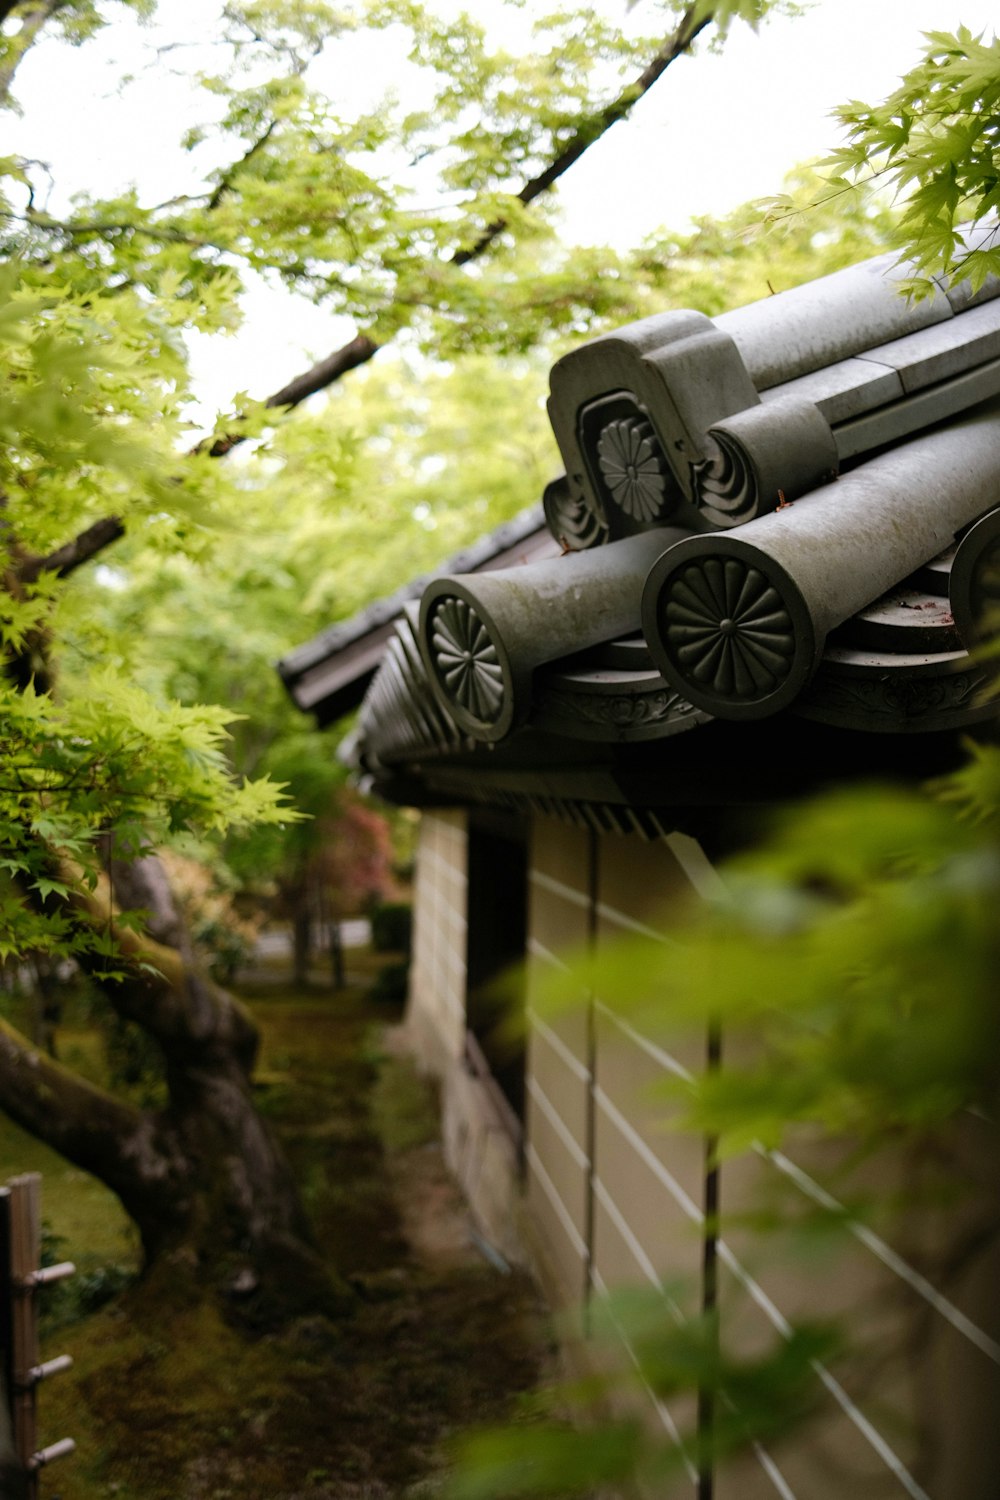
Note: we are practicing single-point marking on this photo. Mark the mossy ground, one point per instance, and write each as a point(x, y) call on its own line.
point(175, 1395)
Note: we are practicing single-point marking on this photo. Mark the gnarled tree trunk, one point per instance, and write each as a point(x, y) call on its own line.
point(204, 1178)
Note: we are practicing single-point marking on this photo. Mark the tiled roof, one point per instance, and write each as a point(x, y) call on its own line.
point(328, 675)
point(759, 516)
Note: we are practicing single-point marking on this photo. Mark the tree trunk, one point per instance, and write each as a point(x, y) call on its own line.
point(204, 1179)
point(337, 955)
point(301, 941)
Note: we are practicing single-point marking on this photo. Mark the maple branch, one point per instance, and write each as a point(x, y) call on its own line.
point(89, 1126)
point(224, 185)
point(73, 554)
point(161, 988)
point(32, 21)
point(592, 131)
point(361, 348)
point(357, 352)
point(162, 233)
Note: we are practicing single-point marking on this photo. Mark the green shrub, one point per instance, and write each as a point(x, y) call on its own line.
point(392, 925)
point(390, 985)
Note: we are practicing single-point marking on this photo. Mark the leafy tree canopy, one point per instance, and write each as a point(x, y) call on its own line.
point(384, 216)
point(365, 213)
point(381, 215)
point(935, 142)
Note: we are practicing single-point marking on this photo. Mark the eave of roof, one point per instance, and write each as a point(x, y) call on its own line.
point(537, 679)
point(328, 675)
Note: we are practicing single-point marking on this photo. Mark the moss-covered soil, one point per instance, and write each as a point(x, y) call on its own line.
point(175, 1396)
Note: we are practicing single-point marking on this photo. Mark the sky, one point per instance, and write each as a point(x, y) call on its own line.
point(716, 130)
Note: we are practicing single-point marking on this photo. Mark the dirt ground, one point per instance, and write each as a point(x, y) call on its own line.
point(174, 1397)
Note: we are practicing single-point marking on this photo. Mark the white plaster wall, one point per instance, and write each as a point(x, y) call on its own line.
point(477, 1149)
point(436, 1003)
point(617, 1199)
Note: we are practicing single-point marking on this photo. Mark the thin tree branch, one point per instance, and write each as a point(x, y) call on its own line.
point(357, 352)
point(162, 990)
point(349, 357)
point(226, 180)
point(681, 41)
point(164, 234)
point(73, 554)
point(84, 228)
point(89, 1126)
point(361, 348)
point(32, 21)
